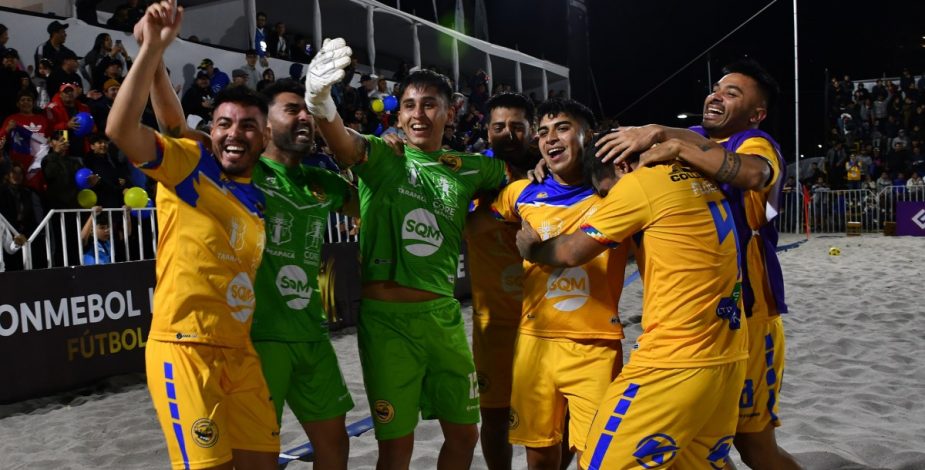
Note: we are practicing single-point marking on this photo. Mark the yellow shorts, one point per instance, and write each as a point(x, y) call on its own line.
point(552, 374)
point(758, 403)
point(493, 351)
point(661, 418)
point(209, 400)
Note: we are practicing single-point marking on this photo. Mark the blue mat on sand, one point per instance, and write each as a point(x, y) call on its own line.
point(306, 452)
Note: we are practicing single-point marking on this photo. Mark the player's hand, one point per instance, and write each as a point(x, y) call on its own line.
point(163, 24)
point(538, 173)
point(19, 240)
point(326, 69)
point(396, 143)
point(93, 179)
point(625, 141)
point(526, 239)
point(666, 151)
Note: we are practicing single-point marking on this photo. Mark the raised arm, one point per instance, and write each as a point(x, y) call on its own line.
point(326, 69)
point(741, 170)
point(124, 126)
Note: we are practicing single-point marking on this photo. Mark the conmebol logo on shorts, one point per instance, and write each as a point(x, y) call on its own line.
point(571, 285)
point(292, 283)
point(240, 297)
point(420, 233)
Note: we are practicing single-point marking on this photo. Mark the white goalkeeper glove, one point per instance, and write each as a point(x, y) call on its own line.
point(326, 69)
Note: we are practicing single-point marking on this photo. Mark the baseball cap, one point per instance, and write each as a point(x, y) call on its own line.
point(56, 26)
point(238, 73)
point(110, 83)
point(205, 63)
point(202, 74)
point(10, 52)
point(65, 86)
point(365, 77)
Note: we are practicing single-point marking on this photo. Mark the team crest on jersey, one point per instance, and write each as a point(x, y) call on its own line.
point(513, 420)
point(318, 192)
point(236, 231)
point(204, 432)
point(549, 228)
point(656, 451)
point(279, 227)
point(719, 453)
point(384, 411)
point(414, 173)
point(451, 161)
point(542, 195)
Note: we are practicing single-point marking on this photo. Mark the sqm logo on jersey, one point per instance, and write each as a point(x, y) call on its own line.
point(279, 226)
point(420, 233)
point(569, 288)
point(292, 283)
point(240, 297)
point(236, 230)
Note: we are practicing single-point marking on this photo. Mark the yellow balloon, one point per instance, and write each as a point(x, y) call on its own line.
point(377, 105)
point(86, 198)
point(136, 198)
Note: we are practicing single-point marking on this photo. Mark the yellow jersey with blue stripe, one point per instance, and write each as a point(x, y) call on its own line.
point(686, 251)
point(575, 303)
point(756, 212)
point(210, 243)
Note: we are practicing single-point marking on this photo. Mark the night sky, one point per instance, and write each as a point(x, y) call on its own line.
point(636, 44)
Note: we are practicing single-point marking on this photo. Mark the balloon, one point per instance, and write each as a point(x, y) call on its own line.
point(84, 124)
point(379, 130)
point(136, 198)
point(144, 214)
point(377, 105)
point(489, 153)
point(82, 178)
point(390, 103)
point(86, 198)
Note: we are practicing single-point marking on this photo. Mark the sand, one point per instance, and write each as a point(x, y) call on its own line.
point(852, 399)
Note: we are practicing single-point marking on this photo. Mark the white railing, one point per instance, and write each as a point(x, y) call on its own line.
point(342, 229)
point(831, 211)
point(58, 237)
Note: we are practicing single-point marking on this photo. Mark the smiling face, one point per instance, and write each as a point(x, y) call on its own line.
point(292, 128)
point(561, 139)
point(736, 104)
point(25, 104)
point(422, 115)
point(239, 134)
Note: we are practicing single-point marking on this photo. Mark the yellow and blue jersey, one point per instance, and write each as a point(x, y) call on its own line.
point(686, 251)
point(497, 275)
point(576, 303)
point(210, 243)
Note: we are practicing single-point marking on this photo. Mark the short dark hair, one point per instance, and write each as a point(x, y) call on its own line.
point(426, 79)
point(97, 137)
point(283, 85)
point(259, 14)
point(767, 85)
point(594, 168)
point(511, 100)
point(243, 96)
point(567, 106)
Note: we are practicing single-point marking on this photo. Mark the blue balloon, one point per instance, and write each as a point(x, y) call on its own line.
point(84, 124)
point(379, 130)
point(82, 178)
point(489, 153)
point(390, 103)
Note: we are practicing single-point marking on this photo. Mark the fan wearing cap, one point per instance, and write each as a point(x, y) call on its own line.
point(61, 114)
point(198, 98)
point(54, 49)
point(218, 80)
point(66, 71)
point(239, 78)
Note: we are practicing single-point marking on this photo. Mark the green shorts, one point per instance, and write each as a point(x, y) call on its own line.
point(416, 359)
point(307, 377)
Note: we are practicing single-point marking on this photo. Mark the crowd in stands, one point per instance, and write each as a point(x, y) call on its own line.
point(876, 137)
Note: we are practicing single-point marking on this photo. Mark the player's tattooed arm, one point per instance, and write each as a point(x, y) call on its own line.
point(744, 171)
point(729, 169)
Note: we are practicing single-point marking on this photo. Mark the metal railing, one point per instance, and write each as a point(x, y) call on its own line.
point(58, 237)
point(831, 211)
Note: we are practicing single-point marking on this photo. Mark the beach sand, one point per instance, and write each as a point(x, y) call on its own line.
point(852, 398)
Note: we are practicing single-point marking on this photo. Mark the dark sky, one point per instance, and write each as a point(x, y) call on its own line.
point(636, 44)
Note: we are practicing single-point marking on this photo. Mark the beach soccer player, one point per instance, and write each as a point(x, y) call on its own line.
point(730, 148)
point(674, 404)
point(290, 331)
point(203, 373)
point(569, 346)
point(496, 275)
point(413, 348)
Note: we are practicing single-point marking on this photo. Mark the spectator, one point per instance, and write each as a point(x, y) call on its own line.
point(102, 251)
point(4, 38)
point(136, 9)
point(268, 77)
point(884, 181)
point(10, 82)
point(869, 183)
point(295, 72)
point(20, 205)
point(260, 37)
point(27, 131)
point(98, 59)
point(11, 243)
point(112, 71)
point(218, 80)
point(54, 49)
point(86, 11)
point(301, 50)
point(915, 181)
point(61, 114)
point(66, 72)
point(900, 137)
point(250, 66)
point(198, 98)
point(277, 44)
point(60, 168)
point(900, 179)
point(897, 160)
point(382, 89)
point(100, 105)
point(40, 83)
point(238, 77)
point(120, 20)
point(113, 175)
point(853, 171)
